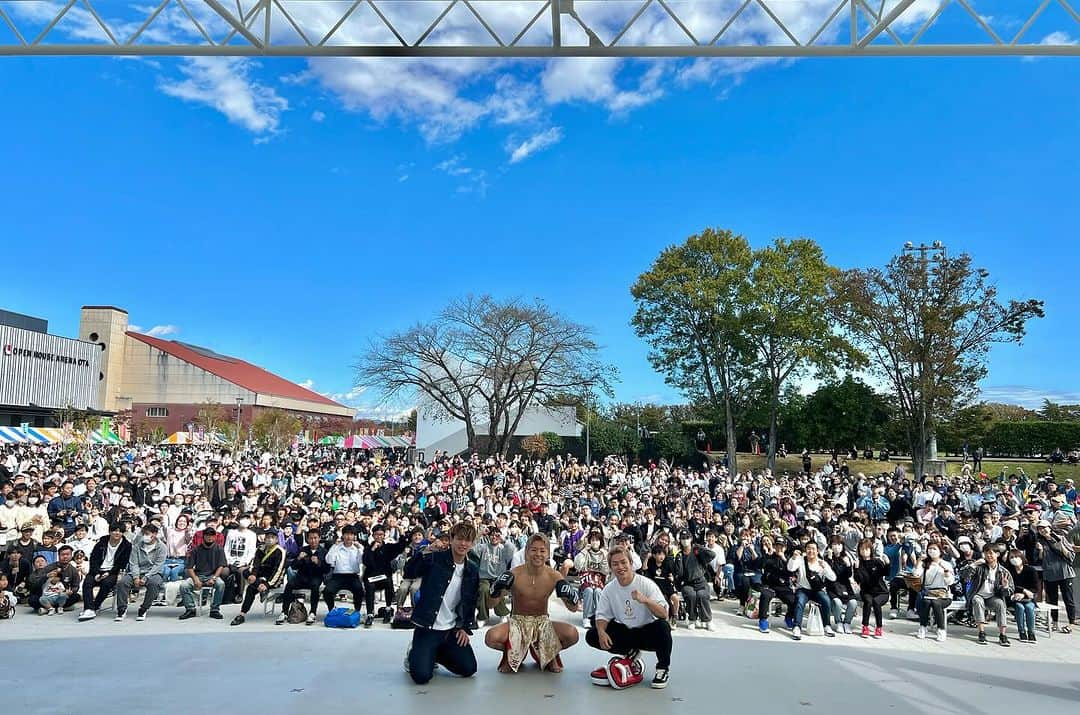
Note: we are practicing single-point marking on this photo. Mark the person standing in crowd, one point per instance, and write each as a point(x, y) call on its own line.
point(445, 616)
point(1058, 571)
point(66, 508)
point(204, 567)
point(109, 557)
point(144, 570)
point(871, 576)
point(345, 561)
point(266, 574)
point(311, 566)
point(630, 617)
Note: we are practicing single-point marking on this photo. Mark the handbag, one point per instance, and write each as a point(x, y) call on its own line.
point(342, 618)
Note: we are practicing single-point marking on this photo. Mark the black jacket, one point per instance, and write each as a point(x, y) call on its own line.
point(692, 569)
point(120, 559)
point(774, 573)
point(871, 575)
point(436, 569)
point(379, 560)
point(308, 570)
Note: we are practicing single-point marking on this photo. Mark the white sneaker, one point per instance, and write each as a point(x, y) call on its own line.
point(279, 620)
point(87, 615)
point(120, 616)
point(922, 633)
point(847, 629)
point(941, 635)
point(893, 613)
point(310, 618)
point(796, 633)
point(911, 615)
point(709, 626)
point(829, 631)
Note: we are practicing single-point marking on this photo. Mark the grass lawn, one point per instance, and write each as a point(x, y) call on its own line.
point(793, 463)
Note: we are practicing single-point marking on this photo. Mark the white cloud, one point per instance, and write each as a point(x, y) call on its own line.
point(1059, 38)
point(318, 116)
point(158, 331)
point(1026, 396)
point(537, 142)
point(307, 384)
point(225, 84)
point(471, 180)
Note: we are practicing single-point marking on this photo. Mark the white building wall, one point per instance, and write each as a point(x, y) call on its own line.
point(153, 376)
point(435, 432)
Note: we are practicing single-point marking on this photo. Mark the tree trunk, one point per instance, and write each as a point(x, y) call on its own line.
point(729, 429)
point(774, 409)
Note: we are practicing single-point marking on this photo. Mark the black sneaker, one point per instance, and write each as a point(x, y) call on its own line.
point(216, 615)
point(186, 615)
point(659, 681)
point(238, 620)
point(1031, 638)
point(369, 620)
point(1003, 640)
point(982, 638)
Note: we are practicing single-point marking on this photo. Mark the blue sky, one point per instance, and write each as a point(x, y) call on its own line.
point(288, 211)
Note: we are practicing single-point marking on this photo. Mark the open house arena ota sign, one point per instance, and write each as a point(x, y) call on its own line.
point(12, 351)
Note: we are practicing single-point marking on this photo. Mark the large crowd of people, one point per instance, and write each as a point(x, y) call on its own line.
point(113, 528)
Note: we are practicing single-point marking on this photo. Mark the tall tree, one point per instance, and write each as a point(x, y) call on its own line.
point(690, 308)
point(927, 327)
point(787, 319)
point(483, 358)
point(845, 414)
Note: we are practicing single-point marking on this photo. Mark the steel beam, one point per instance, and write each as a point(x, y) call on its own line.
point(293, 28)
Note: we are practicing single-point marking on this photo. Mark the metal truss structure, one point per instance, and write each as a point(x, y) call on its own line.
point(537, 28)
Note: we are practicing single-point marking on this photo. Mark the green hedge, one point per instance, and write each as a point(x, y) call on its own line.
point(1023, 439)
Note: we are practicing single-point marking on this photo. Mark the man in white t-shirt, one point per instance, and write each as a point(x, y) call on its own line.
point(631, 616)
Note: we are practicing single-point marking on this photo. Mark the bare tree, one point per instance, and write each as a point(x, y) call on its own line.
point(485, 358)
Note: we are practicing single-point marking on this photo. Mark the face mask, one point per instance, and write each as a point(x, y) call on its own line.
point(245, 523)
point(933, 553)
point(1016, 562)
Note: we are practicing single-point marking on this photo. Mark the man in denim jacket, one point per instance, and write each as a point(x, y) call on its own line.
point(445, 615)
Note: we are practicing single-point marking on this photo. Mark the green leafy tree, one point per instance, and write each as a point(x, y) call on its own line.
point(690, 309)
point(553, 441)
point(927, 326)
point(845, 414)
point(275, 430)
point(673, 443)
point(969, 425)
point(787, 318)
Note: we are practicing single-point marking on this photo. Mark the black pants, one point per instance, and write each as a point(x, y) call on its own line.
point(743, 583)
point(105, 586)
point(251, 592)
point(299, 583)
point(1066, 588)
point(655, 637)
point(938, 606)
point(370, 589)
point(873, 602)
point(784, 595)
point(430, 647)
point(343, 582)
point(896, 587)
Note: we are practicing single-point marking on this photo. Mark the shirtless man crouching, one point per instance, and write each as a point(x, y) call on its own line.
point(530, 629)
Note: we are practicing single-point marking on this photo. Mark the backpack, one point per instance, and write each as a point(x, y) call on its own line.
point(342, 618)
point(297, 613)
point(7, 607)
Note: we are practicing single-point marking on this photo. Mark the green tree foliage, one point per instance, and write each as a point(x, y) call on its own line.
point(845, 414)
point(690, 307)
point(1054, 412)
point(553, 442)
point(275, 430)
point(1024, 439)
point(927, 327)
point(673, 443)
point(970, 425)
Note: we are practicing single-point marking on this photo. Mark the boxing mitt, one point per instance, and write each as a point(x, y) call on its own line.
point(565, 591)
point(503, 583)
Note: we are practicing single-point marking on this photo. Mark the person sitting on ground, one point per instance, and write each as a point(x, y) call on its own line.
point(630, 618)
point(872, 575)
point(144, 570)
point(530, 629)
point(266, 573)
point(53, 594)
point(17, 572)
point(937, 577)
point(1026, 584)
point(345, 559)
point(991, 589)
point(775, 582)
point(494, 556)
point(812, 574)
point(7, 598)
point(109, 557)
point(311, 567)
point(204, 567)
point(692, 579)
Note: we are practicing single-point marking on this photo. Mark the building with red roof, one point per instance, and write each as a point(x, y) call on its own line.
point(167, 383)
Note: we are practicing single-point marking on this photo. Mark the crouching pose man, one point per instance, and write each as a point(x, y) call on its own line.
point(630, 617)
point(530, 629)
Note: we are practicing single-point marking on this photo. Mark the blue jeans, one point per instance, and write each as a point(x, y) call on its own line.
point(590, 597)
point(729, 577)
point(430, 647)
point(174, 569)
point(188, 595)
point(1025, 616)
point(819, 597)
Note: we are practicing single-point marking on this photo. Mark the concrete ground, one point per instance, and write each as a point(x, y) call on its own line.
point(53, 664)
